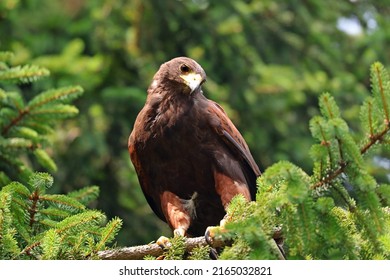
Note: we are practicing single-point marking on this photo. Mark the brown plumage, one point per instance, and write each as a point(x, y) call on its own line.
point(189, 157)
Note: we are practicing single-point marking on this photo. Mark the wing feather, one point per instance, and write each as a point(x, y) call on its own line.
point(235, 142)
point(143, 180)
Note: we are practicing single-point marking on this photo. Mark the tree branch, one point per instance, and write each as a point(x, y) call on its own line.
point(332, 175)
point(139, 252)
point(14, 121)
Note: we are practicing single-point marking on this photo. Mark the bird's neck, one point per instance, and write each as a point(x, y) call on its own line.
point(172, 98)
point(167, 110)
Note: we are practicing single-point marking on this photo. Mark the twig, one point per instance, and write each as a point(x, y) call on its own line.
point(14, 121)
point(373, 139)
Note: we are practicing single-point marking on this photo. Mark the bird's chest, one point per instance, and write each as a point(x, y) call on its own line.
point(177, 137)
point(174, 127)
point(176, 148)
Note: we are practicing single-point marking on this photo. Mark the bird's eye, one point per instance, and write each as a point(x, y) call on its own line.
point(184, 68)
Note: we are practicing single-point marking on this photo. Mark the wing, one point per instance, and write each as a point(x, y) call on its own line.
point(142, 178)
point(229, 134)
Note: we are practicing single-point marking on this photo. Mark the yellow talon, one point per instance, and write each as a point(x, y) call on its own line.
point(163, 242)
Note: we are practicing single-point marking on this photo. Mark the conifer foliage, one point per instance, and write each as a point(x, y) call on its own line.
point(340, 211)
point(33, 223)
point(26, 125)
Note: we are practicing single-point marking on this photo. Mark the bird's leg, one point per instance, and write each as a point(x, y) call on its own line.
point(226, 188)
point(176, 215)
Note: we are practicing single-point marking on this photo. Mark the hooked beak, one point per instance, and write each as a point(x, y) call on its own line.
point(193, 80)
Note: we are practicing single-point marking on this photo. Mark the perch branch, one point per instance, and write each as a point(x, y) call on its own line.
point(139, 252)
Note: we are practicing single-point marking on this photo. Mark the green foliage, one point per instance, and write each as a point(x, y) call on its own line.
point(200, 253)
point(177, 251)
point(26, 125)
point(19, 74)
point(25, 74)
point(38, 225)
point(340, 211)
point(35, 224)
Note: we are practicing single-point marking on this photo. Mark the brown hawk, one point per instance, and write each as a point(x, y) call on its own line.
point(189, 157)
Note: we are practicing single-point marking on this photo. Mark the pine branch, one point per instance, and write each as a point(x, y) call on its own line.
point(109, 232)
point(29, 248)
point(139, 252)
point(14, 121)
point(6, 56)
point(382, 92)
point(370, 121)
point(332, 175)
point(88, 217)
point(34, 197)
point(24, 74)
point(39, 102)
point(375, 138)
point(85, 195)
point(380, 81)
point(64, 95)
point(63, 201)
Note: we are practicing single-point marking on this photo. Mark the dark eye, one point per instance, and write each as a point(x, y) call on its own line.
point(184, 68)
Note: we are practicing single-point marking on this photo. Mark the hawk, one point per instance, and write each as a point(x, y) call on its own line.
point(189, 157)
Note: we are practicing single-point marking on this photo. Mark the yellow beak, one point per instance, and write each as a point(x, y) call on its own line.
point(192, 80)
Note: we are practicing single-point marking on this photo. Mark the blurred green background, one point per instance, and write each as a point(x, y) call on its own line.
point(267, 62)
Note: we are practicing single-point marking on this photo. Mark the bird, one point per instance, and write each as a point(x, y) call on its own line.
point(189, 157)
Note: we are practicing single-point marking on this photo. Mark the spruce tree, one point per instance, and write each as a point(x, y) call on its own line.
point(35, 224)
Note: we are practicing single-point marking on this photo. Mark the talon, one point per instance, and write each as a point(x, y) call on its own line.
point(163, 242)
point(209, 235)
point(212, 232)
point(213, 254)
point(179, 232)
point(222, 223)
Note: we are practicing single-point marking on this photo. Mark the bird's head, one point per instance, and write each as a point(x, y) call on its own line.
point(184, 72)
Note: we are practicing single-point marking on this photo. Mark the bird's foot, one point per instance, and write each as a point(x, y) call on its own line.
point(211, 235)
point(213, 232)
point(164, 242)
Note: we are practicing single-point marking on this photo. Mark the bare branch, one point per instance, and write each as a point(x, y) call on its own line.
point(139, 252)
